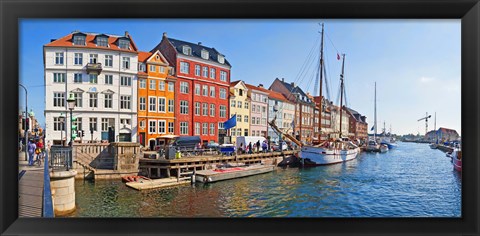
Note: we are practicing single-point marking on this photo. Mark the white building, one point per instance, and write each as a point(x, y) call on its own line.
point(100, 71)
point(284, 115)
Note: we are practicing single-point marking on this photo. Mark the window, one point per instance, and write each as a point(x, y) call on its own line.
point(205, 90)
point(220, 126)
point(161, 127)
point(59, 99)
point(184, 67)
point(205, 128)
point(197, 128)
point(126, 81)
point(125, 102)
point(142, 124)
point(93, 58)
point(93, 124)
point(59, 77)
point(197, 89)
point(223, 76)
point(108, 100)
point(78, 123)
point(152, 127)
point(246, 132)
point(143, 103)
point(109, 79)
point(187, 50)
point(161, 69)
point(221, 60)
point(102, 41)
point(253, 108)
point(161, 104)
point(212, 110)
point(233, 103)
point(197, 108)
point(57, 125)
point(161, 85)
point(141, 67)
point(239, 104)
point(93, 78)
point(240, 92)
point(205, 109)
point(93, 100)
point(212, 128)
point(171, 86)
point(107, 122)
point(264, 121)
point(258, 120)
point(239, 118)
point(183, 127)
point(246, 105)
point(223, 111)
point(152, 104)
point(108, 60)
point(205, 72)
point(183, 107)
point(212, 73)
point(184, 87)
point(125, 121)
point(79, 40)
point(171, 105)
point(152, 68)
point(223, 93)
point(258, 108)
point(59, 58)
point(153, 84)
point(126, 62)
point(265, 99)
point(142, 83)
point(171, 126)
point(123, 44)
point(78, 99)
point(197, 70)
point(205, 54)
point(212, 91)
point(245, 119)
point(78, 59)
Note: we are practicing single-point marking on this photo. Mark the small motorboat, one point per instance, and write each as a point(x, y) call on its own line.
point(133, 178)
point(372, 146)
point(383, 148)
point(457, 159)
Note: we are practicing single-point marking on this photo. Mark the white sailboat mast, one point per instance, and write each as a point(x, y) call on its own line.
point(375, 112)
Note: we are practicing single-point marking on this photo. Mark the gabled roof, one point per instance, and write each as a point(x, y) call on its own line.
point(252, 87)
point(294, 89)
point(277, 96)
point(143, 56)
point(197, 50)
point(67, 41)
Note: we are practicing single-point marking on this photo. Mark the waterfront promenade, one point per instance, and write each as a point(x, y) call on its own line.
point(30, 188)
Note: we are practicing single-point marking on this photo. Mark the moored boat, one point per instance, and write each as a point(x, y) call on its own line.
point(457, 159)
point(329, 153)
point(433, 145)
point(383, 148)
point(372, 146)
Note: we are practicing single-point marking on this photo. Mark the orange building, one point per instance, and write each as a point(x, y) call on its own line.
point(156, 98)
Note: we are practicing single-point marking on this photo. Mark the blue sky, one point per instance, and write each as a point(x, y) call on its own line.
point(416, 63)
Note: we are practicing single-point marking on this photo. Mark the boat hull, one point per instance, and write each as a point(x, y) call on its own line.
point(322, 156)
point(457, 160)
point(390, 145)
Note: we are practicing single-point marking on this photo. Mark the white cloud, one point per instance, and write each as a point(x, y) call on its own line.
point(426, 79)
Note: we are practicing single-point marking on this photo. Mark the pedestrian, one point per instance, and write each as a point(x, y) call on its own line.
point(264, 146)
point(250, 150)
point(258, 146)
point(241, 148)
point(31, 151)
point(40, 148)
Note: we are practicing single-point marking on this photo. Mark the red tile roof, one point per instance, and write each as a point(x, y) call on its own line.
point(277, 96)
point(233, 83)
point(257, 88)
point(143, 56)
point(67, 41)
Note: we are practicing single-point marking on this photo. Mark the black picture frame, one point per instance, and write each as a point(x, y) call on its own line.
point(466, 10)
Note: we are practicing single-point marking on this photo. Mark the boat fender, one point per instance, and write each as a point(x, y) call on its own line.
point(205, 179)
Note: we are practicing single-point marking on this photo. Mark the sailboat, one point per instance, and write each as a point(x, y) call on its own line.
point(372, 145)
point(332, 151)
point(388, 140)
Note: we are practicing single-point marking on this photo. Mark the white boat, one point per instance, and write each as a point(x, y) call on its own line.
point(336, 152)
point(372, 146)
point(383, 148)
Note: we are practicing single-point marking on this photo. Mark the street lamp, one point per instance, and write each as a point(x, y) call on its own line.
point(71, 106)
point(61, 118)
point(26, 116)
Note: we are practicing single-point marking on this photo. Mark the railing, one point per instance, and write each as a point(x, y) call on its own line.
point(47, 191)
point(95, 67)
point(61, 158)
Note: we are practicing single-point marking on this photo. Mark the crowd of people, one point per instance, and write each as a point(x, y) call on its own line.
point(35, 151)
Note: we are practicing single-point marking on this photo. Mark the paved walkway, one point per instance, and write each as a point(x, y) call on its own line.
point(30, 188)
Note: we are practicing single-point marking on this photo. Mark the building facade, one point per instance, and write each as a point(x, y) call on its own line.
point(100, 71)
point(357, 124)
point(443, 135)
point(240, 106)
point(203, 80)
point(258, 110)
point(284, 115)
point(156, 98)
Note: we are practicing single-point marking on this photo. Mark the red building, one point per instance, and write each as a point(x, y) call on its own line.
point(201, 90)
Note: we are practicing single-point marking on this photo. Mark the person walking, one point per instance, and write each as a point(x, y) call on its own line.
point(31, 151)
point(258, 146)
point(40, 151)
point(264, 146)
point(250, 150)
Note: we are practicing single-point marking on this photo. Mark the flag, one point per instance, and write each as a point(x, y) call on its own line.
point(338, 56)
point(373, 127)
point(232, 122)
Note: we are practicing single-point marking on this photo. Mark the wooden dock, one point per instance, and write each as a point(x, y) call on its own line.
point(30, 193)
point(157, 183)
point(214, 175)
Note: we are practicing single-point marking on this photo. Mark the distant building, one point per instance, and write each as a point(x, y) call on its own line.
point(442, 134)
point(358, 127)
point(240, 105)
point(258, 111)
point(284, 115)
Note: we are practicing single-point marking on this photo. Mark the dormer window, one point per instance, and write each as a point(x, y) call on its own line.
point(79, 40)
point(102, 41)
point(187, 50)
point(123, 44)
point(205, 54)
point(221, 59)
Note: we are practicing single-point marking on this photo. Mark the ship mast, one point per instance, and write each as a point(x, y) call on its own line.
point(341, 94)
point(321, 99)
point(375, 111)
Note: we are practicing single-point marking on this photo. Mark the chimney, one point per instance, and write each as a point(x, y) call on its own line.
point(260, 85)
point(126, 34)
point(283, 80)
point(293, 84)
point(51, 40)
point(199, 43)
point(164, 34)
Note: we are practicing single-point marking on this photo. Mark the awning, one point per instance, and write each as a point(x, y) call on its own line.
point(168, 136)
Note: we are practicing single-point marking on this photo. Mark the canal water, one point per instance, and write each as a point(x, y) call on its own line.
point(409, 181)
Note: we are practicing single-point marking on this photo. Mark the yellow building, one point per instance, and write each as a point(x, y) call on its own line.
point(240, 105)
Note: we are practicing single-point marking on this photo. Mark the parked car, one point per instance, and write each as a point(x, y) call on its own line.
point(276, 146)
